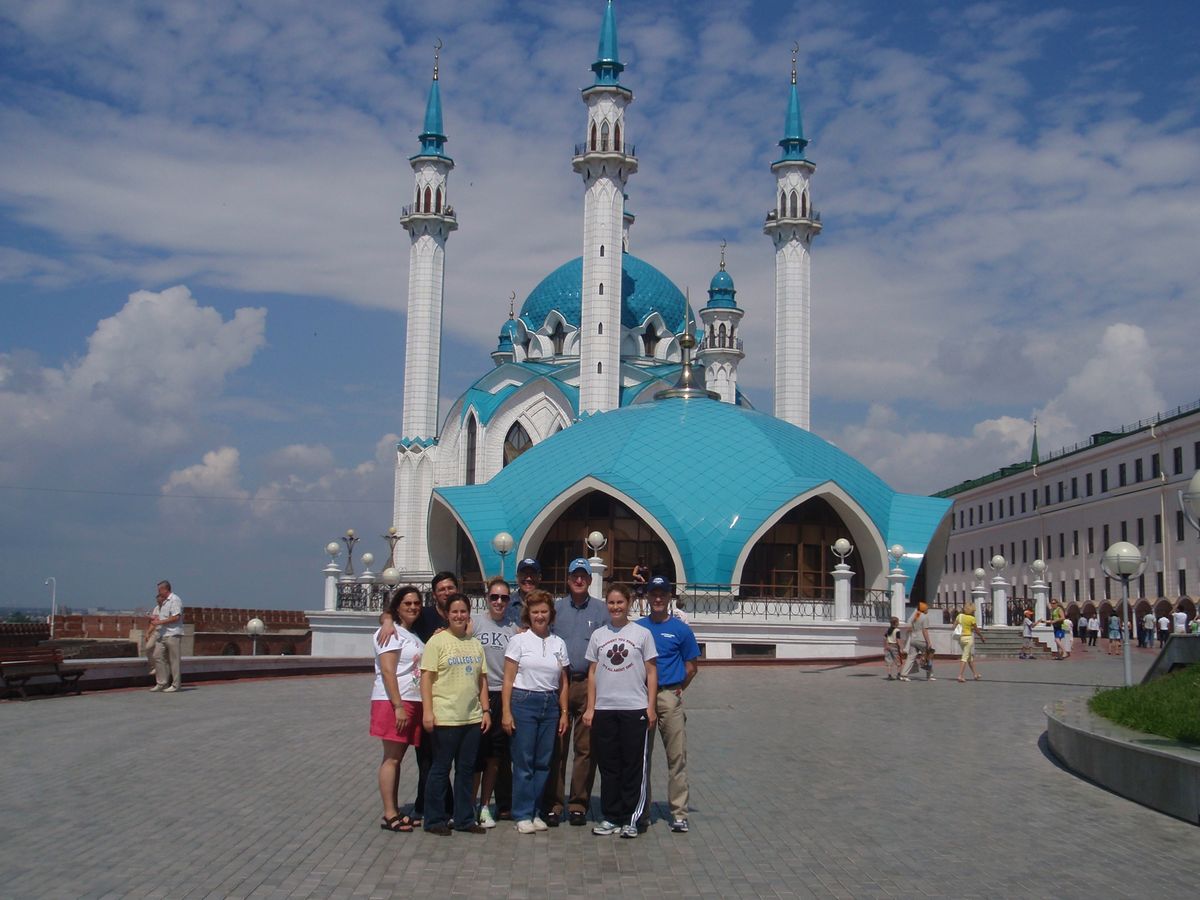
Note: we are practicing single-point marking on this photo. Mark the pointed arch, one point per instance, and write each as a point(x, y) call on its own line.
point(601, 251)
point(602, 289)
point(428, 199)
point(649, 340)
point(721, 336)
point(471, 448)
point(617, 137)
point(593, 146)
point(559, 337)
point(804, 205)
point(782, 203)
point(516, 442)
point(437, 201)
point(792, 205)
point(604, 135)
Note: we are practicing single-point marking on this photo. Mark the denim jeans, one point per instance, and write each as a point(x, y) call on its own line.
point(535, 715)
point(456, 745)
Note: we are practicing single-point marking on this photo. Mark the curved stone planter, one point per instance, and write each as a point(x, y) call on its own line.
point(1154, 771)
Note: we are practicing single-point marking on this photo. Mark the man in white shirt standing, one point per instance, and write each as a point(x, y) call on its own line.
point(168, 618)
point(1180, 621)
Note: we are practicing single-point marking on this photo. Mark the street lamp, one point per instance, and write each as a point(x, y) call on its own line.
point(254, 628)
point(502, 543)
point(1123, 560)
point(350, 539)
point(53, 602)
point(1041, 590)
point(842, 549)
point(393, 537)
point(390, 578)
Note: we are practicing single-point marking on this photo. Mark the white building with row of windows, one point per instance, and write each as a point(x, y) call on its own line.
point(1068, 507)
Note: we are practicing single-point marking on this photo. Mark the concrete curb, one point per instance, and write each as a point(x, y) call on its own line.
point(103, 674)
point(1155, 771)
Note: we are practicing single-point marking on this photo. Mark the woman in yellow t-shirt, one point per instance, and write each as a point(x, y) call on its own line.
point(970, 630)
point(454, 704)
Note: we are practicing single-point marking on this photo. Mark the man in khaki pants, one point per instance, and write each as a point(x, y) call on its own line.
point(168, 617)
point(677, 655)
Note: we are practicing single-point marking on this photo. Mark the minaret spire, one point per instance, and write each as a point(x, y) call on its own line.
point(720, 348)
point(791, 225)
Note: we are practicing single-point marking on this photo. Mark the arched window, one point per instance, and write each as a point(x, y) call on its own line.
point(601, 250)
point(617, 137)
point(793, 205)
point(782, 203)
point(649, 340)
point(721, 335)
point(437, 200)
point(602, 289)
point(593, 135)
point(600, 328)
point(428, 199)
point(599, 368)
point(516, 442)
point(804, 205)
point(559, 337)
point(469, 475)
point(604, 136)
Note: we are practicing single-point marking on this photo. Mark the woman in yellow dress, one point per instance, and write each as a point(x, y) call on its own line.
point(965, 621)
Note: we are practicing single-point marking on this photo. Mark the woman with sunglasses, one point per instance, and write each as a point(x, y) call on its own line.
point(535, 706)
point(493, 770)
point(456, 710)
point(396, 701)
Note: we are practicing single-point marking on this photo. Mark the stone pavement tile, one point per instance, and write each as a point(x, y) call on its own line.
point(806, 782)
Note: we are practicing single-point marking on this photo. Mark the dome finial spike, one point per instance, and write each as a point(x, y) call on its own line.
point(437, 50)
point(512, 298)
point(795, 53)
point(723, 246)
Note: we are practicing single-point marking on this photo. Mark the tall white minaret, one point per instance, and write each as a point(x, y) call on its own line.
point(721, 347)
point(428, 222)
point(605, 160)
point(792, 225)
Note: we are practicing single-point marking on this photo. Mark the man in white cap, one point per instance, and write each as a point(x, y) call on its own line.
point(576, 616)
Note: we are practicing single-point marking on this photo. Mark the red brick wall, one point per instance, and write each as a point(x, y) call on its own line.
point(217, 630)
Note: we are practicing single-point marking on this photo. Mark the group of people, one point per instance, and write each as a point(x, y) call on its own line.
point(492, 704)
point(918, 653)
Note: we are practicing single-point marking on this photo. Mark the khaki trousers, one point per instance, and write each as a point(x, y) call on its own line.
point(166, 661)
point(672, 722)
point(583, 768)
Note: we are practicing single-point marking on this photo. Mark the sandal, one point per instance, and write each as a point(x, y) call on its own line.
point(412, 821)
point(396, 823)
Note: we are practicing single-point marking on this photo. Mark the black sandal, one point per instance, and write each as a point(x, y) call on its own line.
point(396, 823)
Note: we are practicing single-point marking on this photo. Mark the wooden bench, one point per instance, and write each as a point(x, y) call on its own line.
point(19, 664)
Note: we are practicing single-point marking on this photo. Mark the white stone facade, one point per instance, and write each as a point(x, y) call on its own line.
point(1108, 490)
point(720, 350)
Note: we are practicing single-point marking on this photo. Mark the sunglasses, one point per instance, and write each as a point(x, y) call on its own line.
point(498, 596)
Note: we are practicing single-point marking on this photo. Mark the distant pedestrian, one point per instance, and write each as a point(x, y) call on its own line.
point(891, 651)
point(1114, 634)
point(920, 647)
point(970, 630)
point(1056, 622)
point(1147, 635)
point(1179, 618)
point(1093, 629)
point(1194, 625)
point(1027, 635)
point(167, 618)
point(1164, 629)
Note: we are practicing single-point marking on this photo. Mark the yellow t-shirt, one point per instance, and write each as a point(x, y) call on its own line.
point(967, 623)
point(458, 663)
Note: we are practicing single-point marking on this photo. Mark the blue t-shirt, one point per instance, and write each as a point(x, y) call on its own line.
point(676, 644)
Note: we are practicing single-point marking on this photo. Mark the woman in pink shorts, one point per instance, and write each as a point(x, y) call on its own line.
point(396, 701)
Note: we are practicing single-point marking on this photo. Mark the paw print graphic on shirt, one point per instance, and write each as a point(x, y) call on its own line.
point(617, 654)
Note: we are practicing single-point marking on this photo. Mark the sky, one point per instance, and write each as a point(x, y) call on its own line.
point(203, 275)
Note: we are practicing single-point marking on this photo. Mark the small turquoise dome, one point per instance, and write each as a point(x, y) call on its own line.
point(644, 290)
point(721, 291)
point(509, 332)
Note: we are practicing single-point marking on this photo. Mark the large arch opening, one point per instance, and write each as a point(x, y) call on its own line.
point(792, 558)
point(629, 539)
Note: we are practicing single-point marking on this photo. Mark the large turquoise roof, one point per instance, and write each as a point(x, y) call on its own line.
point(657, 454)
point(644, 290)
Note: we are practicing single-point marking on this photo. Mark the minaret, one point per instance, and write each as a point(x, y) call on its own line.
point(605, 160)
point(428, 222)
point(721, 347)
point(792, 225)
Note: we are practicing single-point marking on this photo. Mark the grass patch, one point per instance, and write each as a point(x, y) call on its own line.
point(1168, 706)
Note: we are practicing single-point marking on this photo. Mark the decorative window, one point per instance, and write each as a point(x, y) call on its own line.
point(599, 368)
point(516, 442)
point(792, 205)
point(617, 137)
point(437, 200)
point(593, 136)
point(428, 199)
point(721, 336)
point(602, 289)
point(600, 328)
point(559, 337)
point(604, 136)
point(782, 203)
point(471, 439)
point(804, 205)
point(601, 250)
point(649, 340)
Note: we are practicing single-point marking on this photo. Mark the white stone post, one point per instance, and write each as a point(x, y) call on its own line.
point(979, 595)
point(331, 573)
point(999, 601)
point(596, 588)
point(841, 592)
point(896, 579)
point(1041, 600)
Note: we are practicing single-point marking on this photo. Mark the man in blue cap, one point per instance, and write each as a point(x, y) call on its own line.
point(529, 576)
point(677, 654)
point(576, 616)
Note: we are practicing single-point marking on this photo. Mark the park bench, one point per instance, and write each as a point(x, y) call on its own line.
point(20, 664)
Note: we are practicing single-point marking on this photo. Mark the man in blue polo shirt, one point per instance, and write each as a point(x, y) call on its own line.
point(677, 655)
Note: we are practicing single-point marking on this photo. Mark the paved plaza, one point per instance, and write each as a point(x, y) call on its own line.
point(816, 781)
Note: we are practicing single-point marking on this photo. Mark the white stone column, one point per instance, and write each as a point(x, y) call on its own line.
point(331, 573)
point(841, 592)
point(596, 588)
point(1041, 600)
point(999, 601)
point(896, 579)
point(979, 595)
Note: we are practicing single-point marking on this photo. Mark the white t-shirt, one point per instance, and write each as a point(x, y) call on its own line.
point(1180, 618)
point(408, 665)
point(172, 606)
point(540, 661)
point(620, 657)
point(1164, 624)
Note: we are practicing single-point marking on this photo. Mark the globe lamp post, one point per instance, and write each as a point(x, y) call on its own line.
point(254, 628)
point(502, 543)
point(1124, 561)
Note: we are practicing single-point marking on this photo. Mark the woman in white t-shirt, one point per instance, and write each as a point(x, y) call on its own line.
point(396, 701)
point(621, 704)
point(534, 697)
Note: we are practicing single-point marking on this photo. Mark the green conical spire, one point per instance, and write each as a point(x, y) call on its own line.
point(608, 62)
point(432, 138)
point(1033, 453)
point(793, 142)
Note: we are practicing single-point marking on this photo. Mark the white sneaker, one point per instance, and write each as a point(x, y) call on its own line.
point(485, 818)
point(157, 688)
point(525, 826)
point(170, 690)
point(629, 831)
point(539, 825)
point(606, 827)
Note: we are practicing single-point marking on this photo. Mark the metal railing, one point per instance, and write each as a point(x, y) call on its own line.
point(605, 147)
point(812, 216)
point(716, 342)
point(446, 211)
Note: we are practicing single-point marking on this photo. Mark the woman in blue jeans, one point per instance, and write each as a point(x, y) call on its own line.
point(535, 705)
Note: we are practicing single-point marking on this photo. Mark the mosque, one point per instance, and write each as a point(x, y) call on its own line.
point(613, 406)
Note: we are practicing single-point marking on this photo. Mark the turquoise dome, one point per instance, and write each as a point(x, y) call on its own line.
point(722, 281)
point(644, 290)
point(759, 465)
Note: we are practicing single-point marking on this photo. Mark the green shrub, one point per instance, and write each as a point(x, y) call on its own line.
point(1168, 706)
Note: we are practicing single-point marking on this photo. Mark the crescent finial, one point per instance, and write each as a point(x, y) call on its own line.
point(512, 299)
point(795, 53)
point(437, 50)
point(724, 244)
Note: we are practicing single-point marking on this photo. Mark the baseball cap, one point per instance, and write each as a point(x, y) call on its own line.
point(579, 563)
point(530, 563)
point(658, 583)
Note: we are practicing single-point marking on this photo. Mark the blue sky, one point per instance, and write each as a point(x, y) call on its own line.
point(203, 275)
